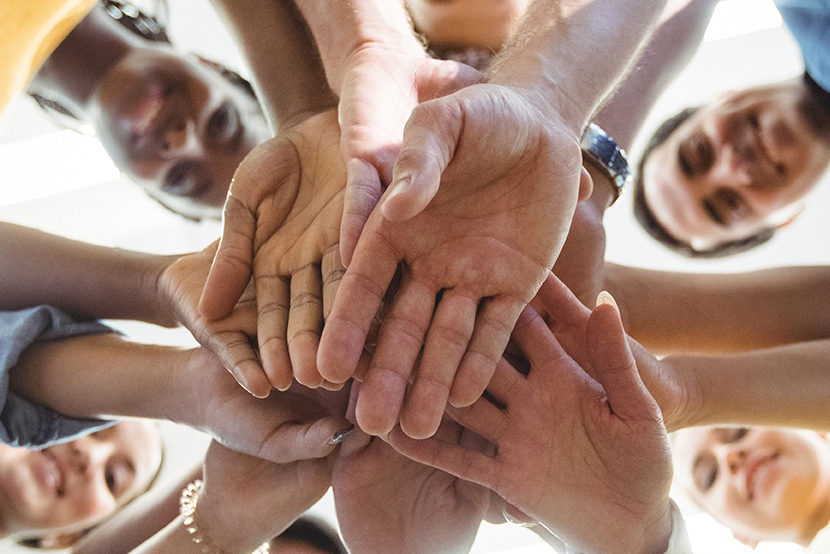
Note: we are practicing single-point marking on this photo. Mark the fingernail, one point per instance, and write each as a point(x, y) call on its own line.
point(605, 297)
point(340, 436)
point(514, 521)
point(399, 185)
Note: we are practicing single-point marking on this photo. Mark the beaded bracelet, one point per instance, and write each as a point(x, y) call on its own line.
point(187, 507)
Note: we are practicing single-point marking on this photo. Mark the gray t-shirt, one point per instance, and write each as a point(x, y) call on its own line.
point(23, 423)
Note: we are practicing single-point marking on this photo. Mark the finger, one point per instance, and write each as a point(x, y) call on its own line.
point(429, 142)
point(333, 271)
point(231, 269)
point(614, 365)
point(303, 441)
point(536, 340)
point(305, 322)
point(272, 327)
point(557, 302)
point(238, 356)
point(493, 326)
point(446, 342)
point(506, 384)
point(363, 190)
point(465, 463)
point(482, 418)
point(401, 337)
point(586, 185)
point(358, 298)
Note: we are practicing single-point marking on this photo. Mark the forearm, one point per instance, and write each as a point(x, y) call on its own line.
point(84, 280)
point(282, 57)
point(344, 27)
point(786, 386)
point(684, 312)
point(103, 376)
point(669, 50)
point(558, 39)
point(140, 520)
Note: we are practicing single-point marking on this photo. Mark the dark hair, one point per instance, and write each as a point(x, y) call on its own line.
point(649, 222)
point(314, 532)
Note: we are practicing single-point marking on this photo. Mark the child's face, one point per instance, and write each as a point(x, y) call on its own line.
point(764, 483)
point(69, 487)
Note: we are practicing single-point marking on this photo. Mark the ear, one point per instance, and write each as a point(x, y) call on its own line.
point(752, 543)
point(61, 541)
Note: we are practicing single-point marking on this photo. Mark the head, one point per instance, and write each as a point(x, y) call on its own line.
point(175, 123)
point(764, 483)
point(50, 497)
point(721, 178)
point(308, 535)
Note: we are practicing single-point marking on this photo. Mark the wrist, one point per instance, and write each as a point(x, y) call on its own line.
point(689, 409)
point(151, 289)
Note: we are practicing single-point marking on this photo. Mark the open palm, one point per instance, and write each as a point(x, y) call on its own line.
point(485, 242)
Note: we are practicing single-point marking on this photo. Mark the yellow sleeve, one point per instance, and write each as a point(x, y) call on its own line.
point(30, 30)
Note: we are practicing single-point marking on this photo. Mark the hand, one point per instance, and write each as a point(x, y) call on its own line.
point(282, 428)
point(247, 500)
point(230, 338)
point(509, 176)
point(576, 453)
point(380, 88)
point(281, 225)
point(388, 503)
point(676, 393)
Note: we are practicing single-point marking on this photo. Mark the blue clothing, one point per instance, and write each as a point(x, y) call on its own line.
point(23, 423)
point(809, 22)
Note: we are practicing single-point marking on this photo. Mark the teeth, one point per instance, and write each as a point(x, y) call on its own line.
point(150, 113)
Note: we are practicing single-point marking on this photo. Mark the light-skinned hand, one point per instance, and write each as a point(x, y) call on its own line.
point(484, 240)
point(575, 452)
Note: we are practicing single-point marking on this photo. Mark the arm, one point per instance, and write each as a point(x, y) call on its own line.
point(679, 312)
point(106, 376)
point(84, 280)
point(282, 58)
point(670, 48)
point(140, 520)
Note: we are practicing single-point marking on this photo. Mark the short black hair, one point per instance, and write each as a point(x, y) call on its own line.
point(645, 216)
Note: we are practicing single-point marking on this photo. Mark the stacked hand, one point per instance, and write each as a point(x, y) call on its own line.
point(485, 239)
point(576, 451)
point(281, 227)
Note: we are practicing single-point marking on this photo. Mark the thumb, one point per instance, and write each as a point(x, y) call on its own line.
point(429, 143)
point(304, 441)
point(613, 363)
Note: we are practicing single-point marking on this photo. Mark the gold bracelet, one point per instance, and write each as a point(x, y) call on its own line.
point(188, 503)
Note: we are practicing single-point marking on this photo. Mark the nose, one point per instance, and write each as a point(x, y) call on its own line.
point(733, 458)
point(730, 169)
point(180, 138)
point(88, 455)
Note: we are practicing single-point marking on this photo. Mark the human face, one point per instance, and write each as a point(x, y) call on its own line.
point(70, 487)
point(279, 546)
point(176, 126)
point(467, 23)
point(739, 165)
point(764, 483)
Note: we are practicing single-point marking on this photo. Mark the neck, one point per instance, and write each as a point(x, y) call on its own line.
point(73, 71)
point(819, 520)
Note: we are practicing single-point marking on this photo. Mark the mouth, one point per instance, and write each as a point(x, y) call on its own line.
point(756, 474)
point(52, 473)
point(763, 152)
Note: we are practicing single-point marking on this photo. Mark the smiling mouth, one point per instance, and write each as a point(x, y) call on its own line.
point(55, 475)
point(752, 474)
point(147, 115)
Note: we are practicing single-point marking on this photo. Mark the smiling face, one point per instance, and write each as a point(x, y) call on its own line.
point(764, 483)
point(739, 165)
point(70, 487)
point(176, 126)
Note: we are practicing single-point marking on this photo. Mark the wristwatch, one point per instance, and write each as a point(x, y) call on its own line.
point(602, 152)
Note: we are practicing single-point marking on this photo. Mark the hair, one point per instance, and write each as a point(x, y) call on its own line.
point(645, 216)
point(314, 532)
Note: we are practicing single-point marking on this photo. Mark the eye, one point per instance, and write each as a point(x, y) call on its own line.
point(710, 477)
point(118, 477)
point(224, 125)
point(185, 179)
point(735, 434)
